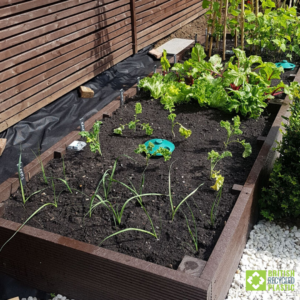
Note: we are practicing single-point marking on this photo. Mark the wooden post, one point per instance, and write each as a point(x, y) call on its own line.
point(243, 22)
point(212, 32)
point(207, 37)
point(235, 36)
point(217, 37)
point(225, 28)
point(133, 25)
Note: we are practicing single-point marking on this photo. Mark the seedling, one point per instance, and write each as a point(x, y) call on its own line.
point(214, 207)
point(55, 204)
point(219, 180)
point(165, 65)
point(214, 158)
point(133, 124)
point(235, 130)
point(182, 130)
point(21, 184)
point(147, 150)
point(92, 137)
point(42, 167)
point(174, 209)
point(194, 235)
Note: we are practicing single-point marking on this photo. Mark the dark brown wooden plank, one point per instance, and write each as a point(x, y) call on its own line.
point(40, 22)
point(17, 8)
point(38, 83)
point(32, 64)
point(71, 83)
point(161, 15)
point(91, 17)
point(149, 5)
point(166, 24)
point(94, 25)
point(37, 74)
point(10, 2)
point(150, 12)
point(183, 21)
point(41, 12)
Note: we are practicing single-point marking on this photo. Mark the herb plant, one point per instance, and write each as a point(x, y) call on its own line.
point(182, 130)
point(147, 151)
point(133, 124)
point(234, 129)
point(92, 137)
point(165, 65)
point(214, 157)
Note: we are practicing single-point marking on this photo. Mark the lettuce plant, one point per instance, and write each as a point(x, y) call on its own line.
point(234, 129)
point(133, 124)
point(165, 65)
point(182, 130)
point(214, 157)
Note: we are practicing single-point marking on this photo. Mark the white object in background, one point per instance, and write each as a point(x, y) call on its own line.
point(76, 146)
point(175, 46)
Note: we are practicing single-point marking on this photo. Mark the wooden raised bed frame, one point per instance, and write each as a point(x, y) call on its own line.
point(79, 270)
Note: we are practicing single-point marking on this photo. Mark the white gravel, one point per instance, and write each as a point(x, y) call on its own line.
point(57, 297)
point(270, 247)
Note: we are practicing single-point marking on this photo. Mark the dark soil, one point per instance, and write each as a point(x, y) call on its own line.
point(190, 168)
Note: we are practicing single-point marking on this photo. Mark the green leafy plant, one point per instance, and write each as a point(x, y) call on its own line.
point(165, 65)
point(92, 137)
point(234, 129)
point(214, 157)
point(182, 130)
point(133, 124)
point(147, 151)
point(280, 198)
point(174, 209)
point(194, 235)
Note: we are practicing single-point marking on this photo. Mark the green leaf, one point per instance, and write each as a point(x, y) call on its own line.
point(198, 53)
point(138, 108)
point(165, 62)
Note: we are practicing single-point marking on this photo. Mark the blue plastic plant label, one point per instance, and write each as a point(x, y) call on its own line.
point(21, 173)
point(82, 127)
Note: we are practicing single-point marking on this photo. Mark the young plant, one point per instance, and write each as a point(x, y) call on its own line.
point(234, 129)
point(21, 184)
point(92, 137)
point(194, 235)
point(182, 130)
point(133, 124)
point(214, 157)
point(219, 180)
point(42, 167)
point(153, 233)
point(147, 151)
point(55, 204)
point(214, 207)
point(174, 209)
point(165, 65)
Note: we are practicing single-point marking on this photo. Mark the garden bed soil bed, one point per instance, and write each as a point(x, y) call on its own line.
point(190, 169)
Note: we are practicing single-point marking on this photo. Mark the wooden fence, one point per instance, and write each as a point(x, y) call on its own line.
point(50, 47)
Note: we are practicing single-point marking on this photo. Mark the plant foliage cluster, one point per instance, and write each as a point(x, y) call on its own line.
point(236, 86)
point(282, 196)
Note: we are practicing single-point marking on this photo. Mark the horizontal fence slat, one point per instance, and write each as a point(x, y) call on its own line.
point(149, 5)
point(55, 17)
point(169, 29)
point(41, 12)
point(10, 2)
point(68, 86)
point(166, 24)
point(37, 61)
point(35, 75)
point(161, 15)
point(17, 8)
point(48, 78)
point(58, 42)
point(53, 36)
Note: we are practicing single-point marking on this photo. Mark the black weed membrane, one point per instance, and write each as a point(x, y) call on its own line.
point(46, 127)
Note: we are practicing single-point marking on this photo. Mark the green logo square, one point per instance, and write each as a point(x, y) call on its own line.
point(256, 280)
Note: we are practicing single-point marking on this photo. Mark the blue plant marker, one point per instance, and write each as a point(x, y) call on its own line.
point(160, 143)
point(286, 65)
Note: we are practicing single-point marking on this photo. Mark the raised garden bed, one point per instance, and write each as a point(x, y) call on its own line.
point(81, 270)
